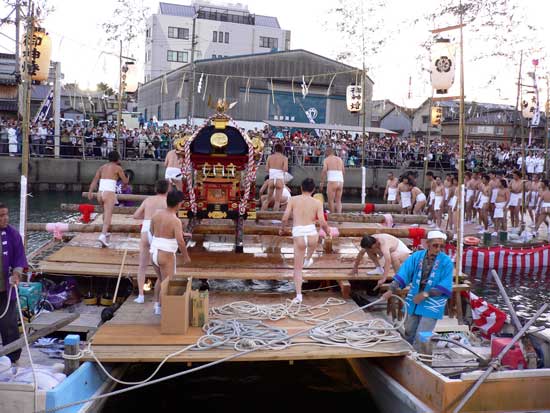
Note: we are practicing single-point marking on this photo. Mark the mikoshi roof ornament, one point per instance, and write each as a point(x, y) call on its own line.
point(443, 65)
point(354, 98)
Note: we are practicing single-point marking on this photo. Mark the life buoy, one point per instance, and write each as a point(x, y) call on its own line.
point(472, 241)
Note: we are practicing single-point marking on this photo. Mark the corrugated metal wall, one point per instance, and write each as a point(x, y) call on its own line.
point(284, 64)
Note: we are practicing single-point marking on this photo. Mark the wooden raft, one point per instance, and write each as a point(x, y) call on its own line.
point(133, 335)
point(89, 261)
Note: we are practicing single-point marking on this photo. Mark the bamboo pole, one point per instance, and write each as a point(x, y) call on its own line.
point(334, 217)
point(346, 206)
point(224, 229)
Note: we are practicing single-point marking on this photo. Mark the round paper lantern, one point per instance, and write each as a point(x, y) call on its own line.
point(40, 53)
point(354, 98)
point(443, 65)
point(529, 105)
point(131, 79)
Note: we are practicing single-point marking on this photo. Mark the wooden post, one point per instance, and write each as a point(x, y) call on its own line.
point(72, 347)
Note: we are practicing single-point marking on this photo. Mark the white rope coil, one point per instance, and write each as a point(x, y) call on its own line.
point(245, 310)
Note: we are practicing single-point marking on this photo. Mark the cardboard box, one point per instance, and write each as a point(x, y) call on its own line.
point(175, 295)
point(199, 308)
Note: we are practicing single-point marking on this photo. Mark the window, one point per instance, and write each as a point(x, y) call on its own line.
point(145, 115)
point(214, 36)
point(178, 33)
point(177, 110)
point(220, 37)
point(213, 56)
point(226, 37)
point(158, 113)
point(425, 119)
point(269, 42)
point(499, 130)
point(175, 56)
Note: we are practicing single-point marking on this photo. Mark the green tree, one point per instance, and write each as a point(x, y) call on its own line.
point(127, 21)
point(105, 88)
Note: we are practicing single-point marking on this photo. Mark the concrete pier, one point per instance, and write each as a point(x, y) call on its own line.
point(75, 175)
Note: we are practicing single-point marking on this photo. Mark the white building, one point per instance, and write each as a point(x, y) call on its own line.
point(220, 30)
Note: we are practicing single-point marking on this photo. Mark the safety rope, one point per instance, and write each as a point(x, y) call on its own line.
point(265, 345)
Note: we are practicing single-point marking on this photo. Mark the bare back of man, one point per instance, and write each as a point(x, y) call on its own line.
point(276, 165)
point(107, 176)
point(167, 232)
point(304, 210)
point(145, 212)
point(333, 174)
point(173, 164)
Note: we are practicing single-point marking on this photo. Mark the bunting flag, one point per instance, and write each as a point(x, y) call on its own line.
point(42, 113)
point(330, 84)
point(305, 88)
point(205, 87)
point(536, 116)
point(247, 91)
point(164, 85)
point(272, 92)
point(180, 91)
point(292, 87)
point(487, 318)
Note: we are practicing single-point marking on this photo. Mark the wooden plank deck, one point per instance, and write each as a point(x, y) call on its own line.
point(133, 335)
point(80, 258)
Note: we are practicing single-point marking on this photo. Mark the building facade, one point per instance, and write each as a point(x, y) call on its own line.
point(221, 30)
point(388, 115)
point(265, 86)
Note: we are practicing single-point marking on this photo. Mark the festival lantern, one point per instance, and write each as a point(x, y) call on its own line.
point(529, 104)
point(437, 114)
point(131, 80)
point(40, 52)
point(354, 98)
point(443, 65)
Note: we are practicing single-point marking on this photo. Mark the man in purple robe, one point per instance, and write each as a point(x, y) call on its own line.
point(12, 262)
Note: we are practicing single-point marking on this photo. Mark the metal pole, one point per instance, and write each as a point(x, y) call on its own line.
point(502, 290)
point(427, 141)
point(364, 122)
point(191, 98)
point(57, 108)
point(120, 91)
point(26, 125)
point(497, 361)
point(459, 244)
point(547, 131)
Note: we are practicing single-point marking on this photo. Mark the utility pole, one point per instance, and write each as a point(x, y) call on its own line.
point(427, 141)
point(191, 96)
point(364, 122)
point(120, 91)
point(27, 80)
point(57, 107)
point(17, 49)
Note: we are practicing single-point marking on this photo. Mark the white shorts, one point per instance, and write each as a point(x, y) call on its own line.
point(286, 194)
point(469, 194)
point(452, 202)
point(146, 229)
point(432, 197)
point(275, 174)
point(392, 194)
point(335, 176)
point(173, 173)
point(494, 194)
point(483, 199)
point(420, 197)
point(515, 199)
point(304, 230)
point(107, 185)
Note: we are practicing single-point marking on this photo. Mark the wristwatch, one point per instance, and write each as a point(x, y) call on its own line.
point(425, 294)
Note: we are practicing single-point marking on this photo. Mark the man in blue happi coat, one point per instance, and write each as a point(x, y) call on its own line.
point(430, 276)
point(12, 262)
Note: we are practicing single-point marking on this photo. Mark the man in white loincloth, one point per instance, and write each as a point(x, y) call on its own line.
point(333, 174)
point(305, 210)
point(173, 164)
point(107, 175)
point(386, 246)
point(404, 195)
point(145, 212)
point(516, 190)
point(501, 203)
point(167, 237)
point(390, 193)
point(276, 165)
point(543, 206)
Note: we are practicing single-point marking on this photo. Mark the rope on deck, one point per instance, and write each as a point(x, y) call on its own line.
point(328, 333)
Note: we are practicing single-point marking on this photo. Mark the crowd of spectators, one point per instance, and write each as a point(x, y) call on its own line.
point(153, 140)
